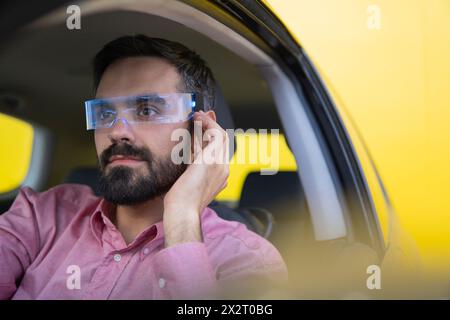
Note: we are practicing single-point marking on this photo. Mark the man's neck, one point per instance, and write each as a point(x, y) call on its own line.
point(132, 220)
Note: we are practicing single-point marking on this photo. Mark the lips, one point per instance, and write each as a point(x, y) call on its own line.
point(123, 159)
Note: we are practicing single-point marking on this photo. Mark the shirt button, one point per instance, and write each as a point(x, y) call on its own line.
point(162, 283)
point(146, 251)
point(117, 257)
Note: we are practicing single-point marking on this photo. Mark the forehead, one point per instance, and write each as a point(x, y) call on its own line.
point(138, 75)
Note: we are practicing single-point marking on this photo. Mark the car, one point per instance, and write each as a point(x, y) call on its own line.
point(322, 202)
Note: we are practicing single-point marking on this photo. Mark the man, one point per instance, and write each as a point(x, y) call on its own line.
point(151, 235)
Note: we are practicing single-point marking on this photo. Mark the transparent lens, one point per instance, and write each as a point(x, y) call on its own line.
point(154, 108)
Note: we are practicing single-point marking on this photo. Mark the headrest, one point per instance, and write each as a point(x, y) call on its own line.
point(268, 191)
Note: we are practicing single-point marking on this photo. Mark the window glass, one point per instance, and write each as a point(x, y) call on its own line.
point(16, 146)
point(256, 152)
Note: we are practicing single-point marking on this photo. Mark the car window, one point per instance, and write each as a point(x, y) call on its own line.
point(260, 157)
point(15, 152)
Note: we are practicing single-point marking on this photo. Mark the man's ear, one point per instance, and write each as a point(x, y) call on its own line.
point(211, 114)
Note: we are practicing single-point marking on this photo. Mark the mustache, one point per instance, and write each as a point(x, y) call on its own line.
point(124, 149)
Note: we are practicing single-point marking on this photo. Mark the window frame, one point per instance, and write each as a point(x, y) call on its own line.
point(254, 22)
point(293, 60)
point(39, 163)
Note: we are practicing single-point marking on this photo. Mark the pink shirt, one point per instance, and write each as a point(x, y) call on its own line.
point(60, 244)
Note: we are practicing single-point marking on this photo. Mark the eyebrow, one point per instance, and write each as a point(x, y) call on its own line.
point(106, 104)
point(111, 103)
point(153, 98)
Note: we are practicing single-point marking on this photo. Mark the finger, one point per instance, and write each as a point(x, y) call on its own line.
point(207, 122)
point(197, 147)
point(209, 125)
point(215, 151)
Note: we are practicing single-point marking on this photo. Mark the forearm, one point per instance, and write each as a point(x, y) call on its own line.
point(181, 226)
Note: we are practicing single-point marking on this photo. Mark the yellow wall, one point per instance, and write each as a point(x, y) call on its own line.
point(388, 66)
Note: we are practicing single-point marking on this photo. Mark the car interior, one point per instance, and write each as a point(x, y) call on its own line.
point(45, 75)
point(48, 68)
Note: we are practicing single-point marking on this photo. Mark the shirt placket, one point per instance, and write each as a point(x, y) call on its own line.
point(114, 262)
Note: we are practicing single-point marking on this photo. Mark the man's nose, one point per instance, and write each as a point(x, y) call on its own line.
point(121, 131)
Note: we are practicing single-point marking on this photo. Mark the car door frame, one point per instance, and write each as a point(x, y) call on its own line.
point(255, 22)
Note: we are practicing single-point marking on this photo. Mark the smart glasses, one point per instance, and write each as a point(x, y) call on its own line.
point(141, 109)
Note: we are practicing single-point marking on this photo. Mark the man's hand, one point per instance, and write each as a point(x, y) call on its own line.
point(198, 185)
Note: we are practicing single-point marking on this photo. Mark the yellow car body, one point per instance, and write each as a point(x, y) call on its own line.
point(385, 64)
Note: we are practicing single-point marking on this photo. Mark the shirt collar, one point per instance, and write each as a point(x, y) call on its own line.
point(100, 220)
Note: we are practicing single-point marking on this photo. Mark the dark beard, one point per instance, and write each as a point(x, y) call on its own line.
point(125, 185)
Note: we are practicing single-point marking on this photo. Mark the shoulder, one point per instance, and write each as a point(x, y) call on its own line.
point(215, 227)
point(60, 203)
point(233, 241)
point(68, 196)
point(36, 218)
point(72, 193)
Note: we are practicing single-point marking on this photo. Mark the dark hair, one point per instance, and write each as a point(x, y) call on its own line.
point(194, 72)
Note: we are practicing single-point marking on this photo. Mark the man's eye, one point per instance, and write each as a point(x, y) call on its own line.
point(146, 111)
point(106, 114)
